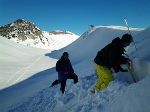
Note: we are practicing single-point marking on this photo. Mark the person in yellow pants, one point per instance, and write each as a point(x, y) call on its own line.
point(111, 57)
point(104, 77)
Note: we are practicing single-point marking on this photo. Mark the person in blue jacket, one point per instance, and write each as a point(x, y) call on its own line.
point(65, 71)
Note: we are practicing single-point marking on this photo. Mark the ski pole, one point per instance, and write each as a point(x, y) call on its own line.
point(130, 71)
point(125, 20)
point(129, 65)
point(127, 25)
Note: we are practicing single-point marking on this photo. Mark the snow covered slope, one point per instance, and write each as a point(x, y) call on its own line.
point(34, 94)
point(142, 43)
point(92, 41)
point(18, 62)
point(57, 41)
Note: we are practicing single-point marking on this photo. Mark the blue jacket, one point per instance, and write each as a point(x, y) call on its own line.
point(63, 66)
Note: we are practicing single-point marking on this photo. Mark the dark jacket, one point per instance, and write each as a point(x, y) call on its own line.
point(111, 54)
point(63, 66)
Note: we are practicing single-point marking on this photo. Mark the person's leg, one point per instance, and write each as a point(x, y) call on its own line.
point(74, 77)
point(107, 77)
point(104, 77)
point(63, 85)
point(99, 80)
point(55, 83)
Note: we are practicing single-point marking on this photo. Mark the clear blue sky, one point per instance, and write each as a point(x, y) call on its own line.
point(76, 15)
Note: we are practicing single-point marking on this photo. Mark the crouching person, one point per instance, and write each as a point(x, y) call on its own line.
point(65, 71)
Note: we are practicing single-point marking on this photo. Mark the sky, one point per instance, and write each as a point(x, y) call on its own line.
point(76, 15)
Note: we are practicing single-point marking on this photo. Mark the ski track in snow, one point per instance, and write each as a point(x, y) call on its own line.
point(25, 69)
point(22, 71)
point(76, 98)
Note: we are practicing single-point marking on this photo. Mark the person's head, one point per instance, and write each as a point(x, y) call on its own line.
point(126, 39)
point(65, 55)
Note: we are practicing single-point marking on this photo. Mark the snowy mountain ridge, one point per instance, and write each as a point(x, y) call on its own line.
point(121, 28)
point(57, 32)
point(111, 27)
point(27, 33)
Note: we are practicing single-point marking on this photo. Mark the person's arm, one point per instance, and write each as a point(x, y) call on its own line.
point(113, 55)
point(59, 67)
point(71, 68)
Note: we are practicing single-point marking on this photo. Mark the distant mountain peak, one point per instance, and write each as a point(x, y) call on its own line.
point(27, 33)
point(20, 20)
point(20, 29)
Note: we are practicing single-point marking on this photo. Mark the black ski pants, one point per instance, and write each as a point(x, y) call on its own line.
point(63, 82)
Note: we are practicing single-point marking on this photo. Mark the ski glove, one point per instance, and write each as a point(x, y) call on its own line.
point(118, 68)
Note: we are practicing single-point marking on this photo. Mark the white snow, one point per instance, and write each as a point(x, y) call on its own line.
point(18, 62)
point(122, 28)
point(35, 95)
point(48, 41)
point(59, 41)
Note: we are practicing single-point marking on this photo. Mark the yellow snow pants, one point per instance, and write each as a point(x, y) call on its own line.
point(104, 77)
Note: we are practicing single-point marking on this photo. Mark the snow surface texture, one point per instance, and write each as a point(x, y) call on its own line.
point(18, 62)
point(122, 95)
point(49, 41)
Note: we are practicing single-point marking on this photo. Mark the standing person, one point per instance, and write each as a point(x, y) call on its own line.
point(65, 71)
point(111, 56)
